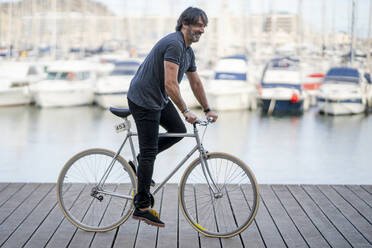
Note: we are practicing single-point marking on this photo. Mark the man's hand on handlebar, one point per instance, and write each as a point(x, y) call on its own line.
point(211, 116)
point(190, 117)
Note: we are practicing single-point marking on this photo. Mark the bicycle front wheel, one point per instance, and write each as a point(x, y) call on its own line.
point(224, 210)
point(88, 205)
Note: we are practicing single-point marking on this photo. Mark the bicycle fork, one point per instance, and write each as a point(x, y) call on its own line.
point(203, 161)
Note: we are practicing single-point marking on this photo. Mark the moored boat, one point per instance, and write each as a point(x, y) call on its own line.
point(111, 90)
point(68, 83)
point(280, 89)
point(15, 80)
point(344, 91)
point(230, 89)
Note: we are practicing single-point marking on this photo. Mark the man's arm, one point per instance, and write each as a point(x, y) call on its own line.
point(173, 90)
point(171, 85)
point(197, 88)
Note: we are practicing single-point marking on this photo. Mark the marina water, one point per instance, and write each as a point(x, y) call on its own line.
point(310, 149)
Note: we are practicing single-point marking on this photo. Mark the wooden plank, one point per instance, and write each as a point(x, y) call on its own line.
point(235, 207)
point(66, 231)
point(21, 213)
point(9, 191)
point(309, 232)
point(267, 227)
point(359, 205)
point(16, 201)
point(252, 236)
point(361, 193)
point(285, 225)
point(364, 227)
point(241, 199)
point(7, 194)
point(46, 230)
point(320, 220)
point(147, 234)
point(104, 239)
point(203, 210)
point(367, 188)
point(188, 236)
point(116, 208)
point(127, 233)
point(167, 236)
point(96, 210)
point(33, 221)
point(209, 242)
point(346, 229)
point(3, 186)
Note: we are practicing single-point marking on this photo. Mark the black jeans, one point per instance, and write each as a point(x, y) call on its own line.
point(147, 122)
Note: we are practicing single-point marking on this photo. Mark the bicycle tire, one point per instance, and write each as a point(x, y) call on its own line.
point(81, 204)
point(219, 216)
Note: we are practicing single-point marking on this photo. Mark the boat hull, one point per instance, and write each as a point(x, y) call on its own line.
point(63, 98)
point(116, 99)
point(341, 107)
point(15, 96)
point(282, 106)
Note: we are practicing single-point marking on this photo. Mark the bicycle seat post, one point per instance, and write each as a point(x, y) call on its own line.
point(129, 135)
point(127, 124)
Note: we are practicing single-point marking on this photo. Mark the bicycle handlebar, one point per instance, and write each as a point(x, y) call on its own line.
point(203, 122)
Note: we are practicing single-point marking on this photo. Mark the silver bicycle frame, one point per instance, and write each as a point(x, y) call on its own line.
point(198, 146)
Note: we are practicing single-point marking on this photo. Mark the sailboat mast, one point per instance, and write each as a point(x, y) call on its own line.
point(10, 13)
point(323, 27)
point(369, 39)
point(352, 33)
point(299, 29)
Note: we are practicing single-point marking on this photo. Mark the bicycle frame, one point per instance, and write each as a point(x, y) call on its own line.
point(198, 147)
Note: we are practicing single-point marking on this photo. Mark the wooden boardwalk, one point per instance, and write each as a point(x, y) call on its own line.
point(289, 216)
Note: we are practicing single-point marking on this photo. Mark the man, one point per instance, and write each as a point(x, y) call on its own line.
point(155, 82)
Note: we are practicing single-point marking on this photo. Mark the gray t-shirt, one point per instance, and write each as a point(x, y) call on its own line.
point(147, 87)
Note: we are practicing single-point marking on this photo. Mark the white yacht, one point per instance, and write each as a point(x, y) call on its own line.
point(230, 89)
point(68, 83)
point(15, 80)
point(111, 90)
point(281, 87)
point(344, 91)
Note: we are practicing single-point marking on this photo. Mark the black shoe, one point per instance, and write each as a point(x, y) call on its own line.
point(134, 169)
point(151, 217)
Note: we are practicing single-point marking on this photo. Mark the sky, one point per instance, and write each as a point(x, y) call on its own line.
point(337, 12)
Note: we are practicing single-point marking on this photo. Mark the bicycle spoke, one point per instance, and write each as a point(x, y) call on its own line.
point(102, 212)
point(221, 213)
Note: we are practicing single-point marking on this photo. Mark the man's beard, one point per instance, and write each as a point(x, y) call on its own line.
point(194, 36)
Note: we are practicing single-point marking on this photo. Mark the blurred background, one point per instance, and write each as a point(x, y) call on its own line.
point(35, 28)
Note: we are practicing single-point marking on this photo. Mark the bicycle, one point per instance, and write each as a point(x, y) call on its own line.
point(218, 193)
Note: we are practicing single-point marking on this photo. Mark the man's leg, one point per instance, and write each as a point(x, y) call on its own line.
point(147, 122)
point(171, 121)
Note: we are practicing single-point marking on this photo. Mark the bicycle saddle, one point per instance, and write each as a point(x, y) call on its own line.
point(121, 112)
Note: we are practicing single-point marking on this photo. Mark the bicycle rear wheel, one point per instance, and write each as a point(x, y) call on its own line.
point(91, 208)
point(224, 214)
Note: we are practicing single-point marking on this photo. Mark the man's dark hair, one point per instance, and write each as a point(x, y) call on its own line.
point(190, 16)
